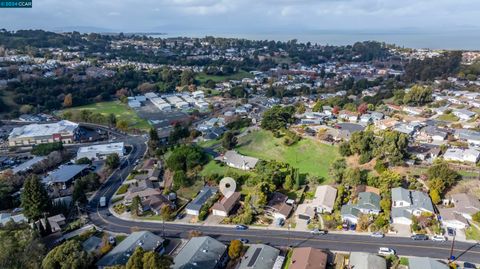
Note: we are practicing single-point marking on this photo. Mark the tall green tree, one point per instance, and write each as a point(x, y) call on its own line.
point(20, 247)
point(67, 255)
point(229, 140)
point(112, 161)
point(153, 260)
point(35, 200)
point(136, 205)
point(136, 260)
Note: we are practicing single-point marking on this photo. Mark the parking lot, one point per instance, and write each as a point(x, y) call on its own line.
point(160, 119)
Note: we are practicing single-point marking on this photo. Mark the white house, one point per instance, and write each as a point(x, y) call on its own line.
point(233, 159)
point(462, 155)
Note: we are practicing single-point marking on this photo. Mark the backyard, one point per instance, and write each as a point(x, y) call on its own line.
point(307, 155)
point(120, 110)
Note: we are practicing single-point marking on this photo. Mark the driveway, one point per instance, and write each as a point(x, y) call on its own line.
point(213, 220)
point(402, 230)
point(301, 224)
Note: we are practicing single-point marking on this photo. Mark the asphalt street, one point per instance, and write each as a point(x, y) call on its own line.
point(335, 242)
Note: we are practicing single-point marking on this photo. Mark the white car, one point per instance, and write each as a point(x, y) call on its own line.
point(386, 251)
point(439, 238)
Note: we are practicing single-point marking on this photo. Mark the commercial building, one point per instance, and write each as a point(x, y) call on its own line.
point(33, 134)
point(101, 151)
point(64, 176)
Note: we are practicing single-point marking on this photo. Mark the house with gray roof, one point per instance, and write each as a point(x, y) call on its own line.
point(463, 114)
point(236, 160)
point(460, 215)
point(432, 134)
point(201, 253)
point(122, 252)
point(470, 136)
point(7, 217)
point(193, 208)
point(92, 244)
point(406, 203)
point(425, 263)
point(469, 155)
point(367, 203)
point(259, 256)
point(363, 260)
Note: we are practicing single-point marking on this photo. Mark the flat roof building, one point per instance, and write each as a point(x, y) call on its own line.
point(101, 151)
point(63, 131)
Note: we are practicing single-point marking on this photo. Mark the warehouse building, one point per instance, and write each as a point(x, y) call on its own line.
point(33, 134)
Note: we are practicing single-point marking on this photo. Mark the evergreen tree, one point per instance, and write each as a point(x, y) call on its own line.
point(153, 260)
point(48, 227)
point(136, 204)
point(136, 260)
point(35, 200)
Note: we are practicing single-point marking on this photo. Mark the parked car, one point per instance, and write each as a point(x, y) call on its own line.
point(318, 232)
point(243, 240)
point(112, 240)
point(451, 232)
point(181, 216)
point(419, 237)
point(439, 238)
point(241, 227)
point(377, 235)
point(386, 251)
point(279, 222)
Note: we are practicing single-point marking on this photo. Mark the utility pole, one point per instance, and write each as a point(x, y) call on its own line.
point(452, 258)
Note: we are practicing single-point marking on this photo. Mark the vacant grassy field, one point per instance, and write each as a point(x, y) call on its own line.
point(448, 117)
point(308, 156)
point(214, 168)
point(202, 77)
point(120, 110)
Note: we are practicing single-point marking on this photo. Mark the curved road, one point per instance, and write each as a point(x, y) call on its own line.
point(339, 242)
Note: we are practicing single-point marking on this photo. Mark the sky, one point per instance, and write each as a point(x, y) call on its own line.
point(255, 17)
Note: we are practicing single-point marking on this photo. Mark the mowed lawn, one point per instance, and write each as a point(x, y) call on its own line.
point(202, 77)
point(120, 110)
point(307, 155)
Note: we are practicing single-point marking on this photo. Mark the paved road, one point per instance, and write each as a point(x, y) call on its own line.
point(338, 242)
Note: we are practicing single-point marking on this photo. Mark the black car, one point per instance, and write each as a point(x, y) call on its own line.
point(419, 237)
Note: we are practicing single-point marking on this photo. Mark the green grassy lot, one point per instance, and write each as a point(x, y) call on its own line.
point(191, 191)
point(307, 155)
point(448, 117)
point(202, 77)
point(473, 233)
point(121, 111)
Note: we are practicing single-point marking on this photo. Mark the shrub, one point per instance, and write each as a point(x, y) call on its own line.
point(45, 149)
point(476, 216)
point(123, 189)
